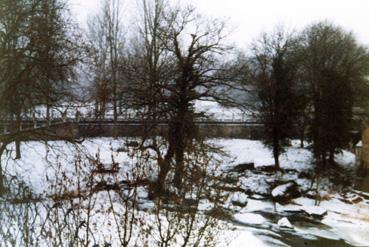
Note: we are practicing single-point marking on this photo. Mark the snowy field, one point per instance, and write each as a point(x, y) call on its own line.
point(59, 168)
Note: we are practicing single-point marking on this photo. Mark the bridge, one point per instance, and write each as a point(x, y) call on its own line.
point(85, 128)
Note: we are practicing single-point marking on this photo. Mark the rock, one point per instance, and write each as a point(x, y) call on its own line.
point(239, 199)
point(270, 181)
point(285, 192)
point(142, 193)
point(352, 199)
point(365, 195)
point(266, 168)
point(122, 149)
point(250, 219)
point(284, 222)
point(305, 174)
point(357, 199)
point(311, 194)
point(205, 205)
point(257, 197)
point(146, 205)
point(132, 144)
point(315, 211)
point(289, 208)
point(244, 167)
point(231, 178)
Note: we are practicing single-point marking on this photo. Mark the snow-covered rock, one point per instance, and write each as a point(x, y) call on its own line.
point(285, 192)
point(240, 168)
point(345, 159)
point(255, 183)
point(249, 218)
point(146, 205)
point(289, 208)
point(284, 222)
point(205, 205)
point(257, 197)
point(239, 199)
point(142, 193)
point(315, 211)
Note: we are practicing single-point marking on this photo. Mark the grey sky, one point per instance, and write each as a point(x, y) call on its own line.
point(248, 18)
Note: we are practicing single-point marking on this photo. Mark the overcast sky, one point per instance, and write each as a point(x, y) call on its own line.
point(248, 18)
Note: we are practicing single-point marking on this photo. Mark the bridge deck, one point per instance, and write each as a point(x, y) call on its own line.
point(133, 127)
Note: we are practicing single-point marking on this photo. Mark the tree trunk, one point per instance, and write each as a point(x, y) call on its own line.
point(178, 136)
point(331, 157)
point(17, 142)
point(179, 170)
point(102, 109)
point(164, 165)
point(302, 137)
point(276, 159)
point(97, 115)
point(115, 113)
point(2, 187)
point(17, 150)
point(324, 160)
point(48, 114)
point(115, 108)
point(276, 148)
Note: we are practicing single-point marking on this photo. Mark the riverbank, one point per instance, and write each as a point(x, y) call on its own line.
point(320, 208)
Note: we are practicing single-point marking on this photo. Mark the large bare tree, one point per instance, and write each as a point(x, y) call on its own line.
point(177, 63)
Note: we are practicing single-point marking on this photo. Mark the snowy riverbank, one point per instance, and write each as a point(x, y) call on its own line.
point(322, 211)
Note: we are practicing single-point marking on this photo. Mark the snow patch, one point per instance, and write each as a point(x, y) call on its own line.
point(284, 222)
point(250, 218)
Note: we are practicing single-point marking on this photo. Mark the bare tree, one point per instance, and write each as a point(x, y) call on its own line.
point(175, 62)
point(194, 46)
point(274, 74)
point(149, 70)
point(107, 42)
point(100, 87)
point(149, 66)
point(37, 59)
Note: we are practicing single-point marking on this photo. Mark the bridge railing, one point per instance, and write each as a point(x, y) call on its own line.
point(83, 114)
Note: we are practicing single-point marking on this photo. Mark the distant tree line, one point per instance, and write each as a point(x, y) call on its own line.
point(171, 57)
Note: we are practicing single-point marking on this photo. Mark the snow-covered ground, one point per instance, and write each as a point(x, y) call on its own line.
point(246, 151)
point(59, 167)
point(216, 111)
